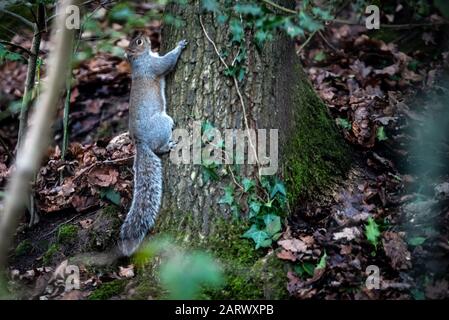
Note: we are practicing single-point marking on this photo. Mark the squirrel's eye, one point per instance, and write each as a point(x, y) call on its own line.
point(139, 42)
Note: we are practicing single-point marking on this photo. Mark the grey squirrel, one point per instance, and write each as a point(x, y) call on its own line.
point(151, 129)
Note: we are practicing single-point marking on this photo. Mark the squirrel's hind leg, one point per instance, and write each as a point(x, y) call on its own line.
point(161, 133)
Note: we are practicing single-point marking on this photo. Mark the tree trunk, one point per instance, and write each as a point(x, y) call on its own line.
point(277, 94)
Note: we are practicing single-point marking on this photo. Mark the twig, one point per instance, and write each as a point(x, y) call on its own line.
point(16, 46)
point(24, 20)
point(236, 84)
point(306, 42)
point(327, 42)
point(33, 148)
point(277, 6)
point(105, 162)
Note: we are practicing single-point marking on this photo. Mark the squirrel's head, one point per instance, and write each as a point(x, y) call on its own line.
point(138, 46)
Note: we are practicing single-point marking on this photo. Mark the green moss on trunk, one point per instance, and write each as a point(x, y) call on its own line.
point(316, 152)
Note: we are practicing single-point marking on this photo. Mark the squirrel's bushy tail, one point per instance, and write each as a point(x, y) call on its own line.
point(146, 200)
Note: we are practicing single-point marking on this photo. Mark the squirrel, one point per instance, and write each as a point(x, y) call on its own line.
point(151, 129)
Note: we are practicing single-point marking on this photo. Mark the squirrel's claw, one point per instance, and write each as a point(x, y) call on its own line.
point(183, 43)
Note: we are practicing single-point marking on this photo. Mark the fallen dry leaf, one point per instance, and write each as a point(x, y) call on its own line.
point(293, 245)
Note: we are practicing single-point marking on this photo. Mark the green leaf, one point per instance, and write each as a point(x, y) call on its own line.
point(211, 5)
point(322, 263)
point(210, 173)
point(308, 23)
point(279, 187)
point(261, 36)
point(185, 274)
point(272, 224)
point(322, 14)
point(248, 9)
point(320, 56)
point(260, 238)
point(237, 31)
point(372, 232)
point(293, 30)
point(111, 195)
point(269, 203)
point(416, 241)
point(254, 207)
point(344, 123)
point(248, 184)
point(121, 12)
point(228, 197)
point(381, 135)
point(309, 268)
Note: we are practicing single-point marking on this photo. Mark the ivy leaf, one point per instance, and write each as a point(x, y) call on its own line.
point(308, 23)
point(344, 123)
point(261, 36)
point(247, 184)
point(293, 30)
point(322, 14)
point(372, 232)
point(272, 224)
point(279, 187)
point(211, 5)
point(228, 197)
point(111, 195)
point(210, 173)
point(260, 238)
point(269, 204)
point(236, 30)
point(254, 207)
point(248, 9)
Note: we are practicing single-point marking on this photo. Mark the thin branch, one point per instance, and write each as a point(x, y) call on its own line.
point(31, 74)
point(98, 163)
point(33, 148)
point(236, 85)
point(305, 43)
point(24, 20)
point(327, 42)
point(277, 6)
point(16, 46)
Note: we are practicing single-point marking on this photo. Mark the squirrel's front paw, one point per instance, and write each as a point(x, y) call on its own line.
point(172, 145)
point(183, 44)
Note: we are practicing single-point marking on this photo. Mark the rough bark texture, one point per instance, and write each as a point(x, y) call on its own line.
point(277, 95)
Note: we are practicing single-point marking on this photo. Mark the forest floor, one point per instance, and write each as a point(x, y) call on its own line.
point(387, 92)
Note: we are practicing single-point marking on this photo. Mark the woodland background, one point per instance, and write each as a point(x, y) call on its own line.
point(364, 179)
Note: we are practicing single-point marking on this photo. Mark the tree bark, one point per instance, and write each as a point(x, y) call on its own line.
point(278, 95)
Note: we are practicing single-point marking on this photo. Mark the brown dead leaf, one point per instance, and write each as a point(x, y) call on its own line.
point(286, 255)
point(294, 245)
point(85, 224)
point(103, 177)
point(73, 295)
point(396, 249)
